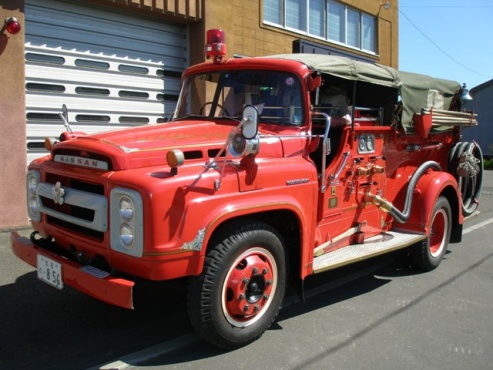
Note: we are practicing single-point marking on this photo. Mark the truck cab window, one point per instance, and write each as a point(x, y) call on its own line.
point(277, 96)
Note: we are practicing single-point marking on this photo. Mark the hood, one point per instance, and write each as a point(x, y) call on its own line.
point(143, 146)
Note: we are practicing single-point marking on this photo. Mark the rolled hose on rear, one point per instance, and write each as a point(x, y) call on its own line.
point(466, 165)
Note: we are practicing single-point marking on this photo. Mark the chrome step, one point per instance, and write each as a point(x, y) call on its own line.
point(374, 246)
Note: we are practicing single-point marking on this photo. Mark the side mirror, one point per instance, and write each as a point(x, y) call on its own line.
point(64, 116)
point(64, 113)
point(249, 126)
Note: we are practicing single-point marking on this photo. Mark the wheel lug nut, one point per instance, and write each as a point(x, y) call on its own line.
point(269, 282)
point(246, 308)
point(245, 281)
point(256, 308)
point(241, 297)
point(266, 296)
point(265, 271)
point(255, 271)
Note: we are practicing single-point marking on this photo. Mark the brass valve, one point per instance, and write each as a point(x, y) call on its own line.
point(363, 171)
point(377, 169)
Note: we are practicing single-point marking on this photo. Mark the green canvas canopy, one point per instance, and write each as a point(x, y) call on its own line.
point(420, 91)
point(347, 68)
point(417, 91)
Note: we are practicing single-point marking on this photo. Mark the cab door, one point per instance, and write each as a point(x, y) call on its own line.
point(355, 168)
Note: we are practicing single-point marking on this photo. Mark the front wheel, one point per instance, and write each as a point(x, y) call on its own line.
point(428, 254)
point(239, 294)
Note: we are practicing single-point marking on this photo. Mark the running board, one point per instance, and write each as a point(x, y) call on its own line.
point(372, 247)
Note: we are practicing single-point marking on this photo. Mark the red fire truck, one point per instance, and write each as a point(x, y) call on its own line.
point(270, 167)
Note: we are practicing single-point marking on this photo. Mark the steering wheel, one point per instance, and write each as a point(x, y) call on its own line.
point(219, 105)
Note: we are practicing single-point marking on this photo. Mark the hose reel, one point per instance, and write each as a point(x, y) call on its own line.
point(466, 165)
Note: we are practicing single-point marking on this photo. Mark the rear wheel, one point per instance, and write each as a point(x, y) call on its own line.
point(239, 294)
point(428, 254)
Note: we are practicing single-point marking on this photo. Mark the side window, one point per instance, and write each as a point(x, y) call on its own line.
point(373, 104)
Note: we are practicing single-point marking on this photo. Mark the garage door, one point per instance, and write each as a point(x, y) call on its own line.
point(111, 70)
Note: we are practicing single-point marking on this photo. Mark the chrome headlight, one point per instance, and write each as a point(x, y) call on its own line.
point(127, 226)
point(126, 208)
point(33, 201)
point(126, 235)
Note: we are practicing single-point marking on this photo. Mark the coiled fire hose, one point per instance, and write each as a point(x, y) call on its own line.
point(466, 165)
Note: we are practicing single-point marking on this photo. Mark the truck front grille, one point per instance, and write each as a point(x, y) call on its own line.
point(75, 204)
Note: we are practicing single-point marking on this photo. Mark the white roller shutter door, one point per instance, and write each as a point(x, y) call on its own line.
point(111, 70)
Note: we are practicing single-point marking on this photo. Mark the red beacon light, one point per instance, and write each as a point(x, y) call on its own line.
point(215, 47)
point(12, 25)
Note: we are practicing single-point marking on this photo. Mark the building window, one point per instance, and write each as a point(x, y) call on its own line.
point(296, 14)
point(336, 23)
point(368, 34)
point(326, 19)
point(352, 28)
point(316, 20)
point(273, 11)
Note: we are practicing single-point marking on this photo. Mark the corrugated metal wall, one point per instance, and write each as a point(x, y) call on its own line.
point(112, 70)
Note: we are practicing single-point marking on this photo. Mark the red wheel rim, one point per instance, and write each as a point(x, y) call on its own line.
point(249, 287)
point(438, 231)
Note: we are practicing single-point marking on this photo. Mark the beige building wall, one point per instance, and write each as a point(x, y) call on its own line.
point(12, 120)
point(247, 35)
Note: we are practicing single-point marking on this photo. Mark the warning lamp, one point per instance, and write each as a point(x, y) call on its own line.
point(175, 159)
point(12, 25)
point(215, 47)
point(49, 142)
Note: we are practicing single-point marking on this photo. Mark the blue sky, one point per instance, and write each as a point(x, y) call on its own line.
point(451, 39)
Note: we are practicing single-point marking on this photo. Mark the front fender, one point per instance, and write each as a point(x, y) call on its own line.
point(216, 213)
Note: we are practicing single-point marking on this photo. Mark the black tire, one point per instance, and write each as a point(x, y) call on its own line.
point(428, 254)
point(239, 293)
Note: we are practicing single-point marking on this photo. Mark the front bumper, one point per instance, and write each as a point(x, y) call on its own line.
point(109, 289)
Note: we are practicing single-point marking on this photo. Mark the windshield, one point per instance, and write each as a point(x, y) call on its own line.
point(277, 96)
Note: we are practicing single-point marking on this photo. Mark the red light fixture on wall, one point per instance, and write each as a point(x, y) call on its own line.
point(12, 25)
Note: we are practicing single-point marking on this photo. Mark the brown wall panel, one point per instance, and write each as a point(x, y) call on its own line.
point(12, 121)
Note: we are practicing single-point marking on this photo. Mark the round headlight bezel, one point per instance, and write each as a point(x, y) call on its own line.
point(127, 208)
point(32, 183)
point(33, 205)
point(127, 235)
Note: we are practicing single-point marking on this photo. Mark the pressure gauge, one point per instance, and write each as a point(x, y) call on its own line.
point(366, 144)
point(362, 144)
